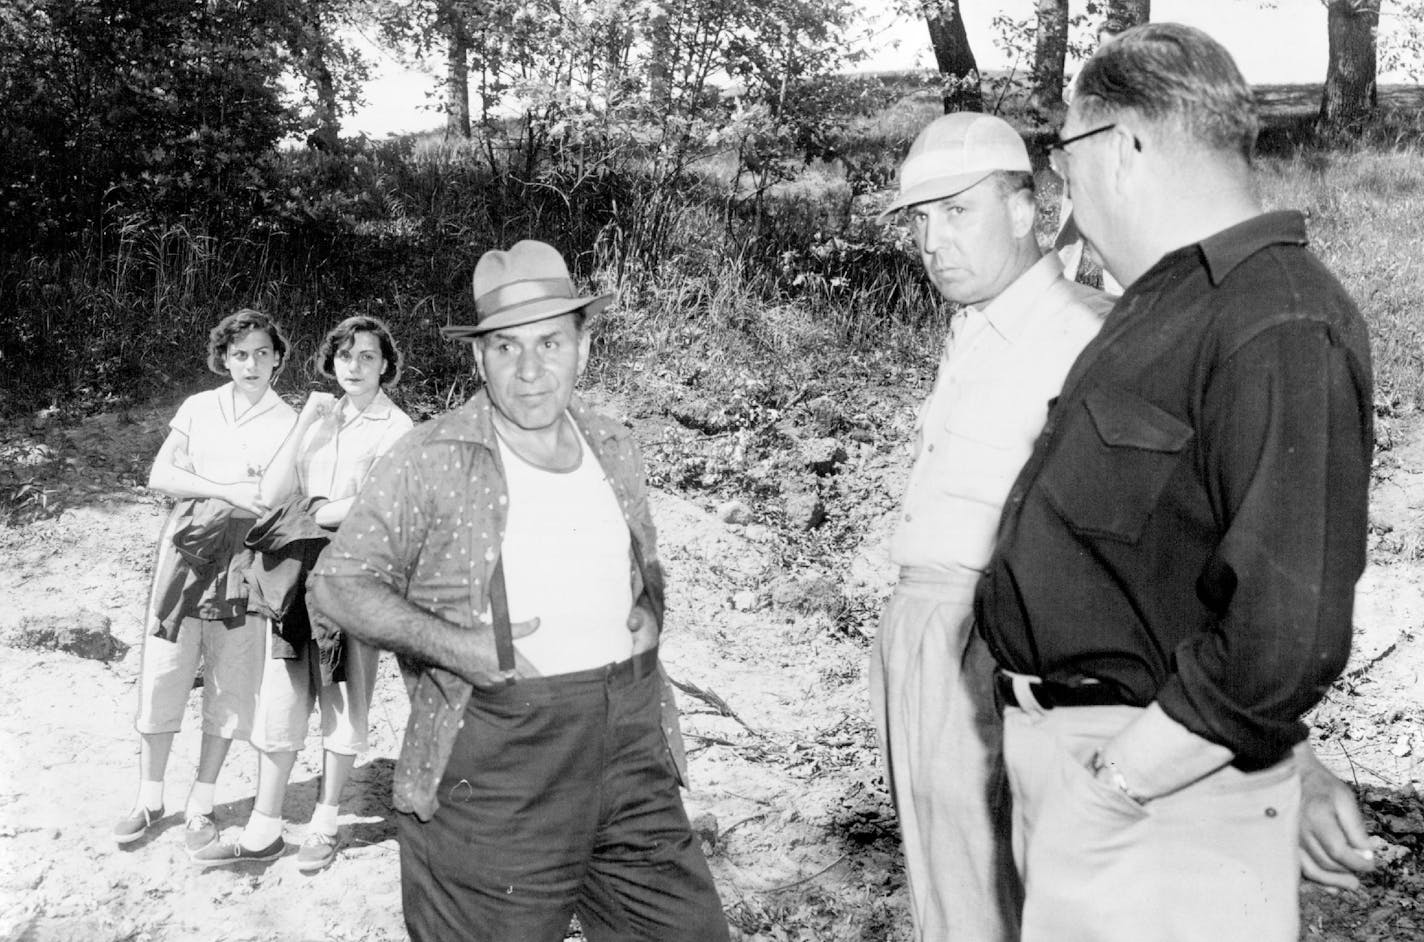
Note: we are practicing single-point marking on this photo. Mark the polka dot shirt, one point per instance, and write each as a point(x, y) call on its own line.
point(429, 523)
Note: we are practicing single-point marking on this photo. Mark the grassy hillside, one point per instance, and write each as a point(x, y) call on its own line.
point(780, 277)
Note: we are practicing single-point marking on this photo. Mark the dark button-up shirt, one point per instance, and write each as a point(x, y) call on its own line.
point(1191, 524)
point(429, 522)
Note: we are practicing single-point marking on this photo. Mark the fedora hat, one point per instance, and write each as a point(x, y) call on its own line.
point(953, 153)
point(528, 283)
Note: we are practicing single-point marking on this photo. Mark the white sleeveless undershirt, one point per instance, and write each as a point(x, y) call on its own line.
point(566, 562)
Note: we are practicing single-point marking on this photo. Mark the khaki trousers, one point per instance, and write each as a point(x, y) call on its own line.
point(230, 654)
point(931, 690)
point(292, 687)
point(1213, 862)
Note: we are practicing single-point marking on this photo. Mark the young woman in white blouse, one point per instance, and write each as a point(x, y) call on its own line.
point(328, 454)
point(218, 445)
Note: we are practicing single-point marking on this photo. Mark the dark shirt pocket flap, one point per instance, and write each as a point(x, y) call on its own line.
point(1112, 463)
point(1135, 423)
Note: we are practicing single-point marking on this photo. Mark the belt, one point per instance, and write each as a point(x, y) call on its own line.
point(1047, 694)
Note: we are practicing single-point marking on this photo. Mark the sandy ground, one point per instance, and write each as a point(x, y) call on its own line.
point(785, 780)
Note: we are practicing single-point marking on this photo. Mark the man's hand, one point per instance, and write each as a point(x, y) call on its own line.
point(643, 625)
point(369, 609)
point(483, 680)
point(1334, 846)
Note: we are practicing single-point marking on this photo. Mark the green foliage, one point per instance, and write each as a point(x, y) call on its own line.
point(774, 270)
point(159, 106)
point(565, 94)
point(1401, 39)
point(1015, 38)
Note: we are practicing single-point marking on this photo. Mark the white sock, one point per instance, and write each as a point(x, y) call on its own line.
point(200, 799)
point(261, 831)
point(150, 795)
point(324, 819)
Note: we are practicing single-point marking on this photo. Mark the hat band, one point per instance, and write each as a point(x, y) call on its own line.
point(518, 293)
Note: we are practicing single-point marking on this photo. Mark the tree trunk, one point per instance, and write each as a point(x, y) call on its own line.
point(660, 62)
point(309, 42)
point(1125, 14)
point(953, 56)
point(1350, 93)
point(1050, 48)
point(457, 78)
point(327, 136)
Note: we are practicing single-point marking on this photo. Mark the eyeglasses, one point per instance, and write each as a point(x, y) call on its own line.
point(1058, 149)
point(1063, 142)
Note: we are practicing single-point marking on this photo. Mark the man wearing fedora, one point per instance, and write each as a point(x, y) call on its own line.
point(506, 550)
point(966, 195)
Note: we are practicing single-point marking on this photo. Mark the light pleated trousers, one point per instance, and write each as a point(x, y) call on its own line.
point(931, 689)
point(1213, 862)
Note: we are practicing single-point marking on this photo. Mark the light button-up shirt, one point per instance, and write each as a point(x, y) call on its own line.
point(338, 451)
point(1000, 367)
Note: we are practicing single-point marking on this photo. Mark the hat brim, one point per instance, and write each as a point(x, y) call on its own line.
point(937, 189)
point(528, 314)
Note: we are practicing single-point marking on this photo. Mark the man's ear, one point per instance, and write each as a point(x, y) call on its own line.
point(1125, 148)
point(479, 360)
point(585, 342)
point(1023, 209)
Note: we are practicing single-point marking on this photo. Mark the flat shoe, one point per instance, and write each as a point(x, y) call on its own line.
point(136, 823)
point(221, 853)
point(318, 851)
point(198, 832)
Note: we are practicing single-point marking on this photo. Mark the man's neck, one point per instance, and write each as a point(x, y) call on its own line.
point(1184, 216)
point(555, 448)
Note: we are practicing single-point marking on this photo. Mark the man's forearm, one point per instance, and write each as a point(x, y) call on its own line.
point(1155, 756)
point(369, 610)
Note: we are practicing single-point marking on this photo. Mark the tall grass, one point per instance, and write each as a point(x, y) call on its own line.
point(735, 289)
point(395, 231)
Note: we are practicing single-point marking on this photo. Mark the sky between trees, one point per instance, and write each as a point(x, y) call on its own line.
point(1280, 42)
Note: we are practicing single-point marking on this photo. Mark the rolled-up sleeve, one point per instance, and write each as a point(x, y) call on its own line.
point(1287, 445)
point(382, 534)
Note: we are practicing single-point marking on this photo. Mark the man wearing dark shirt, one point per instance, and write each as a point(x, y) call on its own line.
point(1174, 577)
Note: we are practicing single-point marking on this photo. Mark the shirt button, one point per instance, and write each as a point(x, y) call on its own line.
point(907, 517)
point(929, 447)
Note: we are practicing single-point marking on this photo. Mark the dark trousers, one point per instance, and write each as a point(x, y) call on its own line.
point(560, 798)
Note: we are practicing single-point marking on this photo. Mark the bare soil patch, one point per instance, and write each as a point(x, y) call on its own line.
point(768, 638)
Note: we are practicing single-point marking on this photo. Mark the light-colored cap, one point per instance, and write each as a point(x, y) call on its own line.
point(952, 154)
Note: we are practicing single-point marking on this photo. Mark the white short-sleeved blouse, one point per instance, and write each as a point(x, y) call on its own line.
point(337, 452)
point(224, 447)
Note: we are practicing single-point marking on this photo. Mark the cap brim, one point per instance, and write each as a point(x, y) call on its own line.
point(528, 314)
point(937, 189)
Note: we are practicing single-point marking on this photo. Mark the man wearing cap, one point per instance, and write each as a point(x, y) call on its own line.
point(506, 549)
point(966, 194)
point(1174, 574)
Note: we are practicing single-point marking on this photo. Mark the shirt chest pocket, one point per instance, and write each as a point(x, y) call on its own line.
point(1115, 458)
point(993, 415)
